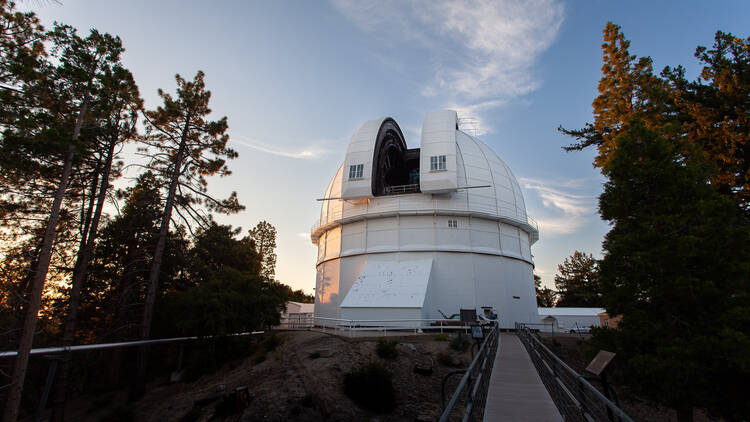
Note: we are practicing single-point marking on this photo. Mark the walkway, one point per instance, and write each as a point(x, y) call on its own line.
point(516, 392)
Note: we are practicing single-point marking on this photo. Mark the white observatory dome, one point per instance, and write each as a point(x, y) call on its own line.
point(451, 206)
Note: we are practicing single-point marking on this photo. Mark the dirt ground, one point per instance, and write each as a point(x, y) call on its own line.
point(301, 380)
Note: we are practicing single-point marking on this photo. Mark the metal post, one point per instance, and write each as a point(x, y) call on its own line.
point(181, 356)
point(54, 360)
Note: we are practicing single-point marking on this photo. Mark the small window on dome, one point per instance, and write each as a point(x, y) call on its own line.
point(437, 163)
point(453, 223)
point(355, 171)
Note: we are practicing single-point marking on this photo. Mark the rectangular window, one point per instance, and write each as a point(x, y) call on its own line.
point(453, 224)
point(437, 162)
point(355, 171)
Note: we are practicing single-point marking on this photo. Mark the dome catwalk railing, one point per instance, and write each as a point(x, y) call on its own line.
point(334, 217)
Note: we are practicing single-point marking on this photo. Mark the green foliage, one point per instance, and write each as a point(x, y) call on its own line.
point(232, 301)
point(259, 358)
point(309, 400)
point(675, 261)
point(460, 342)
point(386, 349)
point(545, 297)
point(676, 268)
point(272, 342)
point(301, 296)
point(446, 359)
point(264, 236)
point(441, 337)
point(371, 387)
point(216, 246)
point(121, 413)
point(577, 282)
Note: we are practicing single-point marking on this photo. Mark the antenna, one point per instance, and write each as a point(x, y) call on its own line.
point(469, 124)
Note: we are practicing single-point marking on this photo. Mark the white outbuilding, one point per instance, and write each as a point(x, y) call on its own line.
point(565, 319)
point(410, 233)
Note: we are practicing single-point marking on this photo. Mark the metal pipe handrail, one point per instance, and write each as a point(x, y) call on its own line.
point(582, 382)
point(481, 354)
point(101, 346)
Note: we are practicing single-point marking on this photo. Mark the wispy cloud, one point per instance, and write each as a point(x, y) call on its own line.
point(482, 52)
point(310, 152)
point(566, 209)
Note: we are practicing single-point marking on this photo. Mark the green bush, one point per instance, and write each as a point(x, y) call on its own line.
point(309, 400)
point(460, 343)
point(371, 387)
point(121, 413)
point(386, 349)
point(272, 342)
point(441, 337)
point(445, 359)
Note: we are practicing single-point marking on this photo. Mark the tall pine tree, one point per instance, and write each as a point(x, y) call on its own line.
point(185, 148)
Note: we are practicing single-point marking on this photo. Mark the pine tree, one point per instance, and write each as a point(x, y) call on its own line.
point(264, 235)
point(577, 283)
point(675, 266)
point(71, 86)
point(545, 297)
point(185, 149)
point(627, 88)
point(116, 112)
point(717, 107)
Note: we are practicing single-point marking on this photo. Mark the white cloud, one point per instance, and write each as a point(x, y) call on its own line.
point(482, 52)
point(310, 152)
point(565, 209)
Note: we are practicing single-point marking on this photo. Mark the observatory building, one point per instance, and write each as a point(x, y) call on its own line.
point(415, 233)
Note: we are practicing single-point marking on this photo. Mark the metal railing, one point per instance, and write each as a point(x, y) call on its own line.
point(59, 353)
point(471, 393)
point(296, 321)
point(332, 216)
point(574, 396)
point(402, 189)
point(368, 327)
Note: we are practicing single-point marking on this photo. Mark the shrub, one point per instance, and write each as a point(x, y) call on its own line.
point(446, 359)
point(121, 413)
point(309, 400)
point(460, 343)
point(371, 387)
point(272, 342)
point(441, 337)
point(386, 349)
point(314, 355)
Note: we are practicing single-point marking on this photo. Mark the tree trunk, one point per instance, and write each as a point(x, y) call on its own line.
point(13, 404)
point(153, 276)
point(80, 272)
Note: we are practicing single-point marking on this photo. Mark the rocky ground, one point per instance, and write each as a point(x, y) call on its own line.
point(301, 379)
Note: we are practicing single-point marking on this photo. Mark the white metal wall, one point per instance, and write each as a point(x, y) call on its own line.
point(458, 280)
point(424, 232)
point(369, 314)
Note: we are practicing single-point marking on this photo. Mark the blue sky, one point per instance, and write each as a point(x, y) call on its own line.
point(296, 78)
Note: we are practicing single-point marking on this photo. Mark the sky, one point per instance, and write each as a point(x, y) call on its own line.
point(295, 78)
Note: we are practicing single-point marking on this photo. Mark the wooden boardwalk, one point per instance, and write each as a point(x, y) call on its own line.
point(516, 392)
